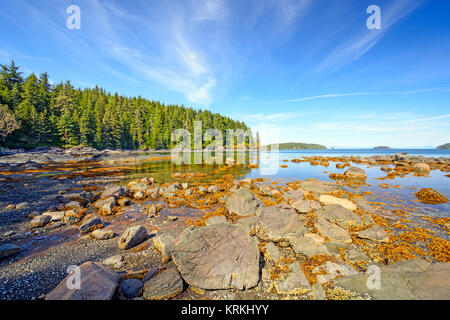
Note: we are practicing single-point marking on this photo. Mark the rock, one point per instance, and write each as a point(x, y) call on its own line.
point(272, 252)
point(374, 233)
point(301, 206)
point(318, 292)
point(247, 223)
point(347, 204)
point(106, 205)
point(221, 256)
point(102, 234)
point(10, 207)
point(320, 187)
point(356, 255)
point(97, 282)
point(7, 250)
point(139, 187)
point(152, 211)
point(131, 288)
point(213, 189)
point(114, 191)
point(406, 280)
point(55, 215)
point(165, 285)
point(22, 205)
point(244, 202)
point(332, 231)
point(164, 244)
point(172, 218)
point(70, 220)
point(91, 224)
point(386, 168)
point(363, 205)
point(40, 221)
point(184, 185)
point(294, 282)
point(308, 247)
point(339, 215)
point(114, 261)
point(33, 214)
point(124, 202)
point(332, 270)
point(280, 225)
point(73, 205)
point(8, 233)
point(355, 173)
point(132, 237)
point(317, 239)
point(215, 220)
point(421, 168)
point(430, 196)
point(297, 194)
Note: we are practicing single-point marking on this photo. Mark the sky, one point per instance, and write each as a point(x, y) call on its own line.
point(296, 71)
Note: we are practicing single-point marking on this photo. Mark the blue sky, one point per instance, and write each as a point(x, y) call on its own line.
point(307, 71)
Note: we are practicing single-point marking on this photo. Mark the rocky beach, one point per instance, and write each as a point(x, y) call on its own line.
point(216, 233)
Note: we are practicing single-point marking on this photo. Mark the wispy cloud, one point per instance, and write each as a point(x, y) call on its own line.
point(360, 44)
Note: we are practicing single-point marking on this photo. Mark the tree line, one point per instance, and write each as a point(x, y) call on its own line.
point(61, 115)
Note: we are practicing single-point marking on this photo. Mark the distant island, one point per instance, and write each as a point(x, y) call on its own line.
point(444, 146)
point(382, 147)
point(297, 145)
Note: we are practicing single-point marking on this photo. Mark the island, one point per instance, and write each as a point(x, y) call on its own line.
point(297, 145)
point(382, 147)
point(444, 146)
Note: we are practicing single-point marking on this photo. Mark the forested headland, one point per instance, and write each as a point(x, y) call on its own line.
point(35, 113)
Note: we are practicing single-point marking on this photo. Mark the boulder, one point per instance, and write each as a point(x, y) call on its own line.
point(55, 215)
point(421, 168)
point(363, 205)
point(91, 224)
point(332, 231)
point(102, 234)
point(40, 221)
point(332, 270)
point(244, 202)
point(406, 280)
point(215, 220)
point(308, 247)
point(106, 205)
point(73, 205)
point(374, 233)
point(114, 191)
point(320, 187)
point(163, 244)
point(97, 282)
point(355, 173)
point(114, 261)
point(279, 225)
point(221, 256)
point(347, 204)
point(132, 237)
point(131, 288)
point(431, 196)
point(165, 285)
point(341, 216)
point(293, 282)
point(272, 252)
point(301, 206)
point(8, 249)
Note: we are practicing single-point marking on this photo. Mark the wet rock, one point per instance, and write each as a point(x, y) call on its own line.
point(114, 191)
point(386, 168)
point(40, 221)
point(97, 282)
point(347, 204)
point(279, 225)
point(163, 244)
point(7, 250)
point(102, 234)
point(341, 216)
point(374, 233)
point(294, 282)
point(131, 288)
point(22, 205)
point(332, 231)
point(114, 261)
point(430, 196)
point(91, 224)
point(216, 220)
point(106, 205)
point(70, 220)
point(132, 237)
point(320, 187)
point(411, 279)
point(363, 205)
point(220, 256)
point(421, 168)
point(165, 285)
point(244, 202)
point(308, 247)
point(55, 215)
point(10, 207)
point(355, 173)
point(73, 205)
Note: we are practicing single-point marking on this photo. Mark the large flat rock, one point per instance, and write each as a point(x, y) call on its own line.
point(97, 282)
point(280, 225)
point(221, 256)
point(244, 202)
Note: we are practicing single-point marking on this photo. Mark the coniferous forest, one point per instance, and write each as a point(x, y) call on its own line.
point(63, 116)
